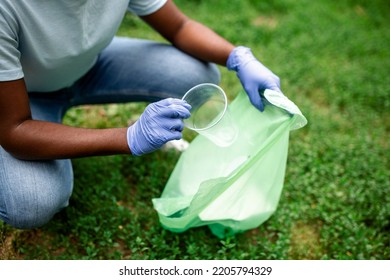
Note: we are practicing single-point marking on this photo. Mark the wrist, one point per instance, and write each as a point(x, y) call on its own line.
point(239, 57)
point(131, 141)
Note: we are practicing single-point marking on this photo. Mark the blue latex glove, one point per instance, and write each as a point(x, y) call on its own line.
point(159, 123)
point(253, 75)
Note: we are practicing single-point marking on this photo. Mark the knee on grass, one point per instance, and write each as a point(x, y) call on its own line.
point(34, 211)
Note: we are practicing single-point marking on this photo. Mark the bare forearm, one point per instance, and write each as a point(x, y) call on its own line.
point(37, 140)
point(201, 42)
point(188, 35)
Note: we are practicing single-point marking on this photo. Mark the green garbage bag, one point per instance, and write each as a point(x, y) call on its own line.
point(236, 188)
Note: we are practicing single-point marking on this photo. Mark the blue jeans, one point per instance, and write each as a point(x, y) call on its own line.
point(128, 70)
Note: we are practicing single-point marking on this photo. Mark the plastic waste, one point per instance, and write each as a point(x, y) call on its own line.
point(236, 188)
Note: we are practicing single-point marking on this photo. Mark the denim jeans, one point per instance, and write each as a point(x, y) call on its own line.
point(128, 70)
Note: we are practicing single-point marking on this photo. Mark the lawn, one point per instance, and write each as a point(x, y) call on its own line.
point(333, 58)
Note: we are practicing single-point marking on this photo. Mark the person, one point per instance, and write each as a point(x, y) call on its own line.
point(58, 54)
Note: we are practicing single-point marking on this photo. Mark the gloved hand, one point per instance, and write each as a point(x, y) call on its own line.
point(159, 123)
point(253, 75)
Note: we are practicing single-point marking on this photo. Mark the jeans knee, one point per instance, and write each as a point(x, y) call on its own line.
point(35, 211)
point(32, 192)
point(193, 74)
point(214, 74)
point(210, 74)
point(201, 72)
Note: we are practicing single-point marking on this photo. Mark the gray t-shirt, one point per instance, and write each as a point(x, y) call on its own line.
point(52, 43)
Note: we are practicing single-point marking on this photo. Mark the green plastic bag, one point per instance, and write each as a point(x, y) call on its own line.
point(235, 188)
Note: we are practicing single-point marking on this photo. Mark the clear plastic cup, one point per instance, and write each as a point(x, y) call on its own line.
point(210, 115)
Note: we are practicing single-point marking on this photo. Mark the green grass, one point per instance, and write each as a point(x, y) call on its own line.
point(333, 58)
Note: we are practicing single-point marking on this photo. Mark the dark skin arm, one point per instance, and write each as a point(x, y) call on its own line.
point(30, 139)
point(188, 35)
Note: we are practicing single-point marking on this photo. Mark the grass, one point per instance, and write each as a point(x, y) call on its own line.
point(333, 58)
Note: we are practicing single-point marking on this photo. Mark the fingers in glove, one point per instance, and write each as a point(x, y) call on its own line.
point(174, 135)
point(175, 111)
point(170, 107)
point(173, 124)
point(255, 98)
point(173, 101)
